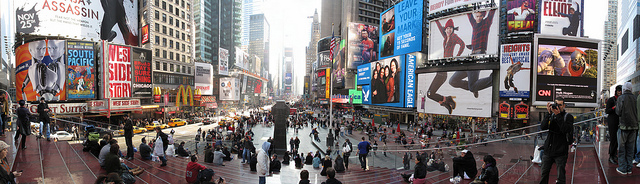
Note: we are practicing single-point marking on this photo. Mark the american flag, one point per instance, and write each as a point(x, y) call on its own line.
point(333, 45)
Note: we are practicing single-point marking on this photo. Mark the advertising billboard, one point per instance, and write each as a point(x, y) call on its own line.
point(439, 5)
point(562, 17)
point(364, 74)
point(521, 15)
point(142, 83)
point(288, 78)
point(145, 34)
point(323, 59)
point(113, 21)
point(241, 56)
point(366, 94)
point(387, 82)
point(81, 71)
point(339, 68)
point(223, 62)
point(467, 34)
point(119, 72)
point(515, 70)
point(40, 70)
point(229, 89)
point(461, 93)
point(567, 68)
point(355, 96)
point(363, 44)
point(204, 78)
point(403, 35)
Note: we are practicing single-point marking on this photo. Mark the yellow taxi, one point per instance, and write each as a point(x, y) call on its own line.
point(155, 124)
point(136, 130)
point(176, 122)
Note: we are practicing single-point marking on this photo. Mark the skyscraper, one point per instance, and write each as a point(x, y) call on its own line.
point(249, 7)
point(313, 43)
point(628, 30)
point(610, 45)
point(258, 42)
point(217, 26)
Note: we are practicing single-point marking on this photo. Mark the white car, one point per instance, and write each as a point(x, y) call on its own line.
point(62, 136)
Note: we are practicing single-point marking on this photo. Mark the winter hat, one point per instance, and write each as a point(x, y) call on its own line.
point(450, 24)
point(464, 151)
point(627, 86)
point(3, 145)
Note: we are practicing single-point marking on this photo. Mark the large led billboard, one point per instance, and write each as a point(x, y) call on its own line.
point(439, 5)
point(521, 15)
point(562, 17)
point(389, 82)
point(288, 78)
point(364, 74)
point(113, 21)
point(142, 83)
point(515, 70)
point(81, 71)
point(401, 29)
point(223, 62)
point(461, 93)
point(474, 33)
point(567, 68)
point(229, 89)
point(40, 70)
point(363, 44)
point(204, 78)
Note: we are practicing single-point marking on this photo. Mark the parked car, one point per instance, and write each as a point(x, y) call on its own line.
point(207, 121)
point(155, 124)
point(176, 122)
point(63, 136)
point(194, 120)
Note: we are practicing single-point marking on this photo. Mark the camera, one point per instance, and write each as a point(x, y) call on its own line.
point(554, 106)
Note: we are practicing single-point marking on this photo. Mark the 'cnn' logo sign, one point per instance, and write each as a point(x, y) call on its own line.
point(544, 92)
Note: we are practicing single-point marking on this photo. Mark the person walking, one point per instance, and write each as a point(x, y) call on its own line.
point(263, 162)
point(626, 108)
point(556, 146)
point(161, 144)
point(346, 152)
point(128, 136)
point(43, 114)
point(23, 124)
point(613, 120)
point(363, 151)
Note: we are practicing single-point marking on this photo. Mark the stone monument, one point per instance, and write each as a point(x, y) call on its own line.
point(280, 112)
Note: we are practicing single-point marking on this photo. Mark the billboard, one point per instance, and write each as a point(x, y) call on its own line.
point(145, 34)
point(113, 21)
point(339, 70)
point(229, 89)
point(287, 78)
point(404, 35)
point(223, 62)
point(439, 5)
point(119, 72)
point(461, 35)
point(364, 74)
point(142, 83)
point(567, 68)
point(461, 93)
point(363, 44)
point(387, 82)
point(355, 96)
point(81, 71)
point(40, 70)
point(241, 57)
point(562, 17)
point(323, 59)
point(515, 70)
point(521, 15)
point(204, 78)
point(366, 94)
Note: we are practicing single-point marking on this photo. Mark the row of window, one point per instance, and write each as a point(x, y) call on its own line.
point(173, 68)
point(178, 57)
point(178, 24)
point(161, 78)
point(173, 10)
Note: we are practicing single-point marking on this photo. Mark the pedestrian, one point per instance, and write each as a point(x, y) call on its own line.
point(331, 177)
point(363, 151)
point(263, 163)
point(304, 177)
point(145, 150)
point(43, 114)
point(420, 171)
point(613, 120)
point(162, 142)
point(128, 136)
point(326, 163)
point(4, 112)
point(489, 173)
point(560, 126)
point(5, 175)
point(339, 164)
point(23, 124)
point(626, 108)
point(464, 165)
point(193, 168)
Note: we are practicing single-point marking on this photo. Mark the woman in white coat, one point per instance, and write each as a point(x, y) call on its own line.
point(263, 162)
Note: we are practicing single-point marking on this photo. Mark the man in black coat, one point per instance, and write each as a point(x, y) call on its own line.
point(128, 136)
point(43, 114)
point(613, 120)
point(23, 123)
point(556, 146)
point(145, 150)
point(466, 163)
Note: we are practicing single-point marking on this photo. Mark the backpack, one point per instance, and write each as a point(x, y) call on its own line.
point(205, 174)
point(569, 135)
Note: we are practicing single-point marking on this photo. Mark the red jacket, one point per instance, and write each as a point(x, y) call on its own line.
point(193, 168)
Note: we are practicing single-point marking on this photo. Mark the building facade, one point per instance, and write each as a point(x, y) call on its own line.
point(610, 45)
point(628, 34)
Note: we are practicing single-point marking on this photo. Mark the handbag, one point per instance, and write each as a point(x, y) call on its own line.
point(128, 178)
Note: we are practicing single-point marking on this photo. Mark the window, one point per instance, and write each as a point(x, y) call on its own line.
point(164, 5)
point(188, 68)
point(164, 17)
point(177, 11)
point(164, 29)
point(177, 68)
point(157, 41)
point(164, 55)
point(188, 17)
point(157, 63)
point(184, 60)
point(171, 55)
point(184, 68)
point(177, 46)
point(182, 36)
point(164, 42)
point(183, 47)
point(157, 14)
point(158, 55)
point(157, 3)
point(182, 4)
point(170, 8)
point(170, 43)
point(164, 66)
point(157, 26)
point(171, 67)
point(177, 34)
point(170, 31)
point(188, 6)
point(182, 14)
point(178, 23)
point(170, 20)
point(182, 25)
point(177, 56)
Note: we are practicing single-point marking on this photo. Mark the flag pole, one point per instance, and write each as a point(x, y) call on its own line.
point(331, 80)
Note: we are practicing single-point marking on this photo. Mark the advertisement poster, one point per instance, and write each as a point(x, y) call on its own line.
point(388, 82)
point(561, 17)
point(366, 94)
point(460, 93)
point(145, 34)
point(287, 78)
point(142, 84)
point(223, 62)
point(81, 79)
point(567, 68)
point(401, 29)
point(515, 70)
point(327, 81)
point(339, 68)
point(410, 81)
point(439, 5)
point(363, 44)
point(521, 15)
point(229, 89)
point(466, 34)
point(364, 74)
point(323, 60)
point(204, 78)
point(119, 71)
point(113, 21)
point(355, 96)
point(40, 70)
point(241, 56)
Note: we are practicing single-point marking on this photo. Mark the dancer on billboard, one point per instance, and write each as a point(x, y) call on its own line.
point(446, 102)
point(47, 72)
point(550, 62)
point(512, 70)
point(574, 21)
point(473, 82)
point(451, 39)
point(115, 13)
point(521, 13)
point(481, 27)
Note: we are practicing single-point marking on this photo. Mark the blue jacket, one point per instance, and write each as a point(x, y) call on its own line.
point(363, 147)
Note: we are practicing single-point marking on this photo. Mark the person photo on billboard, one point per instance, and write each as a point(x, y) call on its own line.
point(368, 52)
point(451, 39)
point(522, 12)
point(388, 21)
point(115, 13)
point(512, 70)
point(473, 83)
point(47, 71)
point(393, 83)
point(387, 48)
point(481, 26)
point(379, 93)
point(447, 102)
point(386, 84)
point(550, 62)
point(574, 16)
